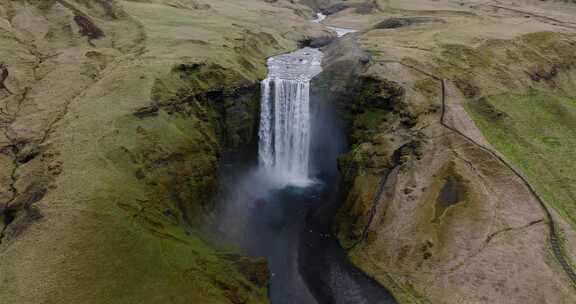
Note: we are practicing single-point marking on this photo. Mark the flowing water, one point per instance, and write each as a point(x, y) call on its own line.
point(284, 146)
point(285, 206)
point(340, 31)
point(294, 218)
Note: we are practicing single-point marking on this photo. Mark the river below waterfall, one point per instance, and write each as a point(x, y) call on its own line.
point(282, 208)
point(291, 227)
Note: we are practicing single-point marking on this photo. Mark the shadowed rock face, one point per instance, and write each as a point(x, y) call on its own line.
point(87, 28)
point(330, 7)
point(393, 23)
point(3, 76)
point(453, 192)
point(317, 42)
point(317, 4)
point(363, 8)
point(335, 8)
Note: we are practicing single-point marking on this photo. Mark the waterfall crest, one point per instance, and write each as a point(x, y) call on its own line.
point(284, 134)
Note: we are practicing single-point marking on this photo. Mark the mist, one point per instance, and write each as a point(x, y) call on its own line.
point(264, 211)
point(274, 209)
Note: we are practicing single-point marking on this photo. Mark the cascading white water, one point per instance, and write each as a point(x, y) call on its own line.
point(284, 146)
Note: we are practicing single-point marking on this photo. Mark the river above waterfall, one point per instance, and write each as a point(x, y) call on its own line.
point(340, 31)
point(302, 64)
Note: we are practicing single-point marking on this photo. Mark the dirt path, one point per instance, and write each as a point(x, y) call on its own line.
point(555, 240)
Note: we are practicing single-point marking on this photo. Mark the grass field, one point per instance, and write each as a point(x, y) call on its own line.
point(536, 131)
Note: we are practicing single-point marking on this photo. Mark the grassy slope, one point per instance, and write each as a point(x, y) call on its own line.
point(536, 131)
point(161, 169)
point(483, 57)
point(123, 222)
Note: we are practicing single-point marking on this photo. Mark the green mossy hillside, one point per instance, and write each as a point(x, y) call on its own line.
point(133, 103)
point(378, 107)
point(162, 177)
point(536, 131)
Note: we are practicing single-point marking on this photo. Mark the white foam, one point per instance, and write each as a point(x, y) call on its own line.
point(319, 17)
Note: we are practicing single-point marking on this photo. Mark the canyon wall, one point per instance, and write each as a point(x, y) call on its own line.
point(114, 116)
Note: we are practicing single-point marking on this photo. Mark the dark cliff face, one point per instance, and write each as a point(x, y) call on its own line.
point(318, 4)
point(333, 93)
point(329, 7)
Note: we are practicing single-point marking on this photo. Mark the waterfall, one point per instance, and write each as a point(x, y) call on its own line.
point(284, 135)
point(285, 126)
